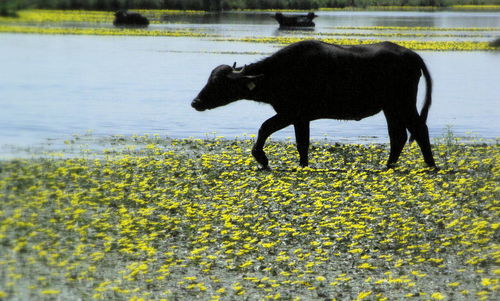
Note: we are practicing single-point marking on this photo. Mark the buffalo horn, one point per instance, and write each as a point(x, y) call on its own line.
point(239, 71)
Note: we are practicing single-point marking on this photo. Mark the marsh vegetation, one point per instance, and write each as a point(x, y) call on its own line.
point(152, 217)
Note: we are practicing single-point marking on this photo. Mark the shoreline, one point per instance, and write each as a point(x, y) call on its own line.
point(89, 144)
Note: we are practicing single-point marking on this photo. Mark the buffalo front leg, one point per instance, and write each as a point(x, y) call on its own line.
point(302, 139)
point(273, 124)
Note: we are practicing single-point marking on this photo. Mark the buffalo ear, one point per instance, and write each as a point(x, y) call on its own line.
point(251, 86)
point(253, 80)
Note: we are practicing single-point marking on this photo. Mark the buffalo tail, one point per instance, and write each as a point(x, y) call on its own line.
point(428, 95)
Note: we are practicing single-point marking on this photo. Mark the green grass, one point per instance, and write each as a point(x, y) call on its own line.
point(157, 218)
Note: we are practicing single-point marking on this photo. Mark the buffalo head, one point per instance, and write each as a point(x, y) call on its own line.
point(225, 85)
point(121, 13)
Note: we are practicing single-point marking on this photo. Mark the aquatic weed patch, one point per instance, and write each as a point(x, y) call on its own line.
point(109, 31)
point(482, 7)
point(470, 7)
point(415, 45)
point(59, 16)
point(155, 218)
point(44, 16)
point(418, 28)
point(99, 23)
point(402, 34)
point(75, 22)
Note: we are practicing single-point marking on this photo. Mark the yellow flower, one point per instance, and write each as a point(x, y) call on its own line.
point(363, 295)
point(486, 281)
point(437, 296)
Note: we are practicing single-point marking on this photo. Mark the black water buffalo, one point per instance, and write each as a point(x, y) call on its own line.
point(295, 20)
point(311, 80)
point(125, 18)
point(495, 43)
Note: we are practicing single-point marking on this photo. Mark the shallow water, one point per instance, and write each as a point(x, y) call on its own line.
point(55, 86)
point(327, 19)
point(242, 24)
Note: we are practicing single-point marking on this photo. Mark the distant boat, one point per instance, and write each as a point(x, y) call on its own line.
point(295, 20)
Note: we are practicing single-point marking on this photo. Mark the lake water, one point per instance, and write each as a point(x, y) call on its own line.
point(262, 23)
point(53, 86)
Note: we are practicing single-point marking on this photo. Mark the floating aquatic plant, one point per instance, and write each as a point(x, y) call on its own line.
point(109, 31)
point(85, 16)
point(415, 45)
point(70, 22)
point(418, 28)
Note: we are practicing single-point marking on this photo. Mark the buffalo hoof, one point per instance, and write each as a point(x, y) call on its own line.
point(435, 168)
point(263, 168)
point(390, 166)
point(260, 156)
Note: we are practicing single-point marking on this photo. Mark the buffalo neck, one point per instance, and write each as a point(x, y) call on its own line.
point(259, 92)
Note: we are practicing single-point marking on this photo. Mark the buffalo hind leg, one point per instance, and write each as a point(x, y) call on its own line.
point(302, 140)
point(273, 124)
point(397, 136)
point(420, 132)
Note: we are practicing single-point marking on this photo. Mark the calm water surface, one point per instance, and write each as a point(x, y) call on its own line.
point(55, 86)
point(263, 23)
